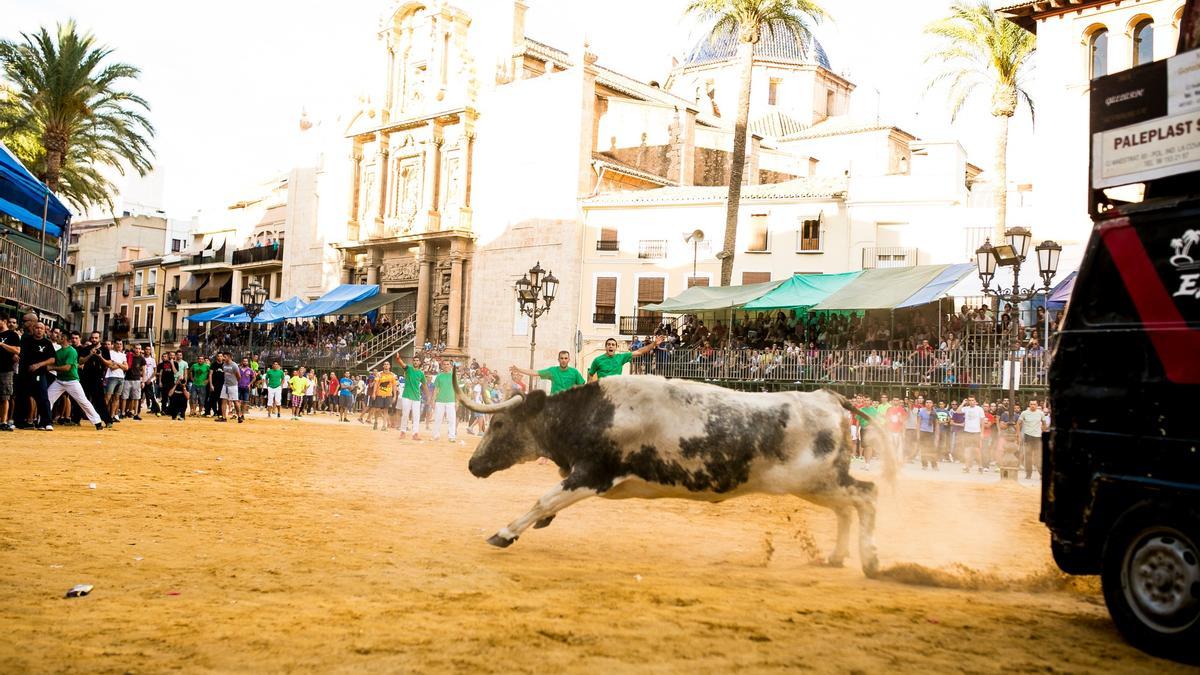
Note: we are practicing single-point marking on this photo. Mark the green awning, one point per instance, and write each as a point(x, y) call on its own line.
point(370, 304)
point(712, 298)
point(802, 291)
point(882, 288)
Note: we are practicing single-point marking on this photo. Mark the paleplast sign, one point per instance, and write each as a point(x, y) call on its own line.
point(1146, 122)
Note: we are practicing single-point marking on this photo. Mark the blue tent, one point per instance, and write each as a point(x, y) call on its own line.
point(25, 198)
point(215, 314)
point(341, 297)
point(272, 312)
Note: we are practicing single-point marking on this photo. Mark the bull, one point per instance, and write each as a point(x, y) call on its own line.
point(649, 437)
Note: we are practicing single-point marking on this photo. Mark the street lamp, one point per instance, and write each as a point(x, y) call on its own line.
point(1011, 253)
point(536, 291)
point(254, 296)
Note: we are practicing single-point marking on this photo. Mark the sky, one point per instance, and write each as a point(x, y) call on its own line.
point(227, 80)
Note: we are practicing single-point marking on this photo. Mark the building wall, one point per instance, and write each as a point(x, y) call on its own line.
point(529, 171)
point(1060, 92)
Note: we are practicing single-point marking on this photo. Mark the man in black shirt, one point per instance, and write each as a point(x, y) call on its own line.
point(132, 394)
point(92, 366)
point(166, 378)
point(216, 380)
point(37, 353)
point(10, 350)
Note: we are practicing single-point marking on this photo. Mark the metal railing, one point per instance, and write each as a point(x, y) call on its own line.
point(258, 254)
point(652, 249)
point(172, 299)
point(958, 368)
point(149, 289)
point(381, 347)
point(604, 318)
point(888, 256)
point(168, 335)
point(32, 281)
point(640, 325)
point(608, 245)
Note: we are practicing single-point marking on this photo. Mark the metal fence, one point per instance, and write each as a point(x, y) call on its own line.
point(958, 368)
point(29, 280)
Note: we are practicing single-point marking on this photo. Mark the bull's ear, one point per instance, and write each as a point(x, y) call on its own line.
point(534, 401)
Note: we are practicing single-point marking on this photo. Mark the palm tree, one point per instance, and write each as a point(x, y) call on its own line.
point(748, 19)
point(978, 49)
point(66, 115)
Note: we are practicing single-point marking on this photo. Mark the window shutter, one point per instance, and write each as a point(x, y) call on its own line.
point(697, 281)
point(606, 294)
point(755, 277)
point(650, 289)
point(758, 233)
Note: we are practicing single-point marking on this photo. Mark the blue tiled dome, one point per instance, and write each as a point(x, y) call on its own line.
point(776, 45)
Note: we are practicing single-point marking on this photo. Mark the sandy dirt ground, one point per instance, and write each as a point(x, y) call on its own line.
point(313, 546)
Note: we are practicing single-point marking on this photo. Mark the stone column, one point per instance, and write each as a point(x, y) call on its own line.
point(381, 165)
point(424, 290)
point(355, 185)
point(454, 330)
point(432, 175)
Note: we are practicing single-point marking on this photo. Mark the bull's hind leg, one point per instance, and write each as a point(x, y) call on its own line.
point(542, 513)
point(850, 494)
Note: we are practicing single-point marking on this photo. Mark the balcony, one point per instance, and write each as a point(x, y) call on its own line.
point(888, 256)
point(640, 325)
point(172, 299)
point(140, 334)
point(150, 288)
point(259, 255)
point(137, 291)
point(168, 336)
point(608, 245)
point(604, 318)
point(655, 249)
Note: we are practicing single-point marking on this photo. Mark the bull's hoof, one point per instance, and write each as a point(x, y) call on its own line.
point(500, 542)
point(871, 568)
point(835, 561)
point(543, 522)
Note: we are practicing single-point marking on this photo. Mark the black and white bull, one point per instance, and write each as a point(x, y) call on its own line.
point(649, 437)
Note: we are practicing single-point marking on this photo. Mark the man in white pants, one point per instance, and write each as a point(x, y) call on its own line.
point(445, 404)
point(410, 400)
point(66, 364)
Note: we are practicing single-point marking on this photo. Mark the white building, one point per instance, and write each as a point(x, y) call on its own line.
point(1076, 42)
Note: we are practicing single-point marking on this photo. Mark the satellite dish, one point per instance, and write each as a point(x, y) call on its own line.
point(696, 236)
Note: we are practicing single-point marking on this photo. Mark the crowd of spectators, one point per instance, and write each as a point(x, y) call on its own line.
point(338, 343)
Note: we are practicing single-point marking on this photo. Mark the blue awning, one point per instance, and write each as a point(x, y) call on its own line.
point(939, 286)
point(25, 198)
point(341, 297)
point(1062, 292)
point(215, 314)
point(272, 312)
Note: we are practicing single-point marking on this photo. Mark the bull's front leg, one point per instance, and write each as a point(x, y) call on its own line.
point(543, 511)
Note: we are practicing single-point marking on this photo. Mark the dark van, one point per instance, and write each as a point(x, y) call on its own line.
point(1121, 487)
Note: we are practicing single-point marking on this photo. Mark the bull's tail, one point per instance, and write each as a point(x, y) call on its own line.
point(877, 437)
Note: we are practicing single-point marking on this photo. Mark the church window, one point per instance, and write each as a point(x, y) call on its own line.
point(758, 233)
point(1143, 42)
point(606, 301)
point(810, 236)
point(773, 91)
point(1098, 53)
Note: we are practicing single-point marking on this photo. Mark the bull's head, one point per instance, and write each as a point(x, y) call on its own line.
point(509, 439)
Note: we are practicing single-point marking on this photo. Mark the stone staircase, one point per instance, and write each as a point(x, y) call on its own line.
point(384, 345)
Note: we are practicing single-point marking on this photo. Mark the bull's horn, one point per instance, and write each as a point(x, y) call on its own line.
point(480, 407)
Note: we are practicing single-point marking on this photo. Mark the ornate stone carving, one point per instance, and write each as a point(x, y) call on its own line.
point(406, 270)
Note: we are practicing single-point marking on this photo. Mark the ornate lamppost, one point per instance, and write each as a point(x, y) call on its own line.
point(1011, 253)
point(535, 293)
point(254, 296)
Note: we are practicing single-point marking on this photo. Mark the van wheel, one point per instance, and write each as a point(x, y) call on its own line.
point(1151, 583)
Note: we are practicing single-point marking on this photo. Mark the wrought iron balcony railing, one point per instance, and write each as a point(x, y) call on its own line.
point(258, 254)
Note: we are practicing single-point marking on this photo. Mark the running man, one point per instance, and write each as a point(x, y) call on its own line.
point(562, 377)
point(612, 362)
point(410, 401)
point(274, 377)
point(445, 402)
point(66, 364)
point(385, 390)
point(298, 385)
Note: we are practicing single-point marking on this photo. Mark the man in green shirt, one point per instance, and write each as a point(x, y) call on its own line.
point(562, 377)
point(200, 384)
point(274, 377)
point(611, 362)
point(66, 364)
point(445, 404)
point(410, 400)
